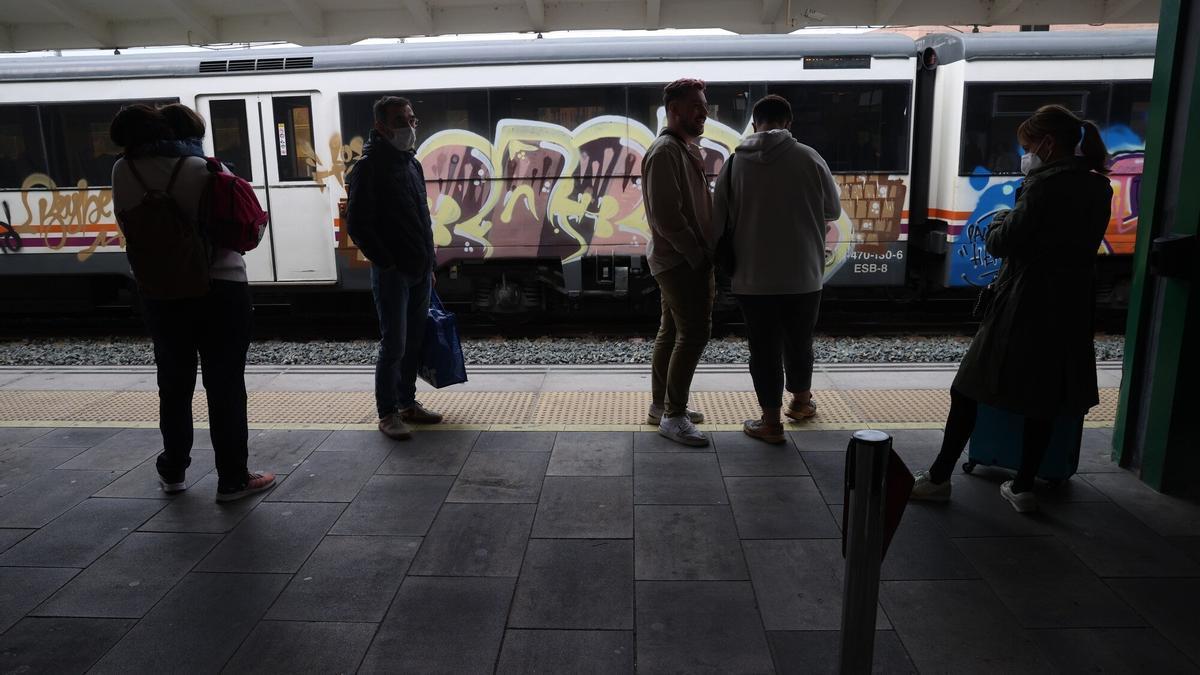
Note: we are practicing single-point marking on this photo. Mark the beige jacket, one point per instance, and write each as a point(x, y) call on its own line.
point(678, 205)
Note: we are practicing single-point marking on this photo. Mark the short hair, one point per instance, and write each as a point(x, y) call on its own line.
point(679, 88)
point(138, 124)
point(184, 122)
point(385, 102)
point(772, 109)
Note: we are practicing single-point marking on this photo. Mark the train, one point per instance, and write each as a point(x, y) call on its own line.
point(532, 152)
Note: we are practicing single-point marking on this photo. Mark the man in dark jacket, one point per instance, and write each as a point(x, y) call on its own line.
point(389, 222)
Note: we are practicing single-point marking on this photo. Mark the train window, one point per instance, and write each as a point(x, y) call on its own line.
point(231, 135)
point(76, 140)
point(565, 107)
point(992, 113)
point(728, 104)
point(855, 126)
point(1129, 113)
point(293, 134)
point(21, 151)
point(436, 111)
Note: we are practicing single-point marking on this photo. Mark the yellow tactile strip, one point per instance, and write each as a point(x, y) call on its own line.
point(836, 408)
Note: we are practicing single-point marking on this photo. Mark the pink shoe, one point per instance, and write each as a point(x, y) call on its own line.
point(255, 482)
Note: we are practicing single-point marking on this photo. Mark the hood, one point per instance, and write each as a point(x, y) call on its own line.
point(766, 146)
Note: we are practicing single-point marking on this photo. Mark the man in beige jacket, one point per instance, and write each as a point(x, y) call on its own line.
point(679, 208)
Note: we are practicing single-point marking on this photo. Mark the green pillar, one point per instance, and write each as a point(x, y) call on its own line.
point(1156, 434)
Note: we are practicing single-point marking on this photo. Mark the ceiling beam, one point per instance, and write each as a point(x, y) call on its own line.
point(6, 42)
point(653, 13)
point(421, 16)
point(885, 10)
point(1002, 9)
point(92, 26)
point(770, 10)
point(308, 15)
point(537, 14)
point(1117, 9)
point(199, 24)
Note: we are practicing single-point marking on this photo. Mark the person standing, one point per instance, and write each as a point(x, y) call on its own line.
point(679, 207)
point(389, 221)
point(779, 197)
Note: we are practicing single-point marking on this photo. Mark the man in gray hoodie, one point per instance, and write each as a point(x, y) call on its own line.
point(778, 196)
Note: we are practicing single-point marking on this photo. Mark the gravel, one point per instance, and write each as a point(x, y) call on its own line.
point(540, 351)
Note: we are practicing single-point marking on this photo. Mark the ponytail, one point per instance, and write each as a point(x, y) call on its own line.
point(1068, 131)
point(1092, 148)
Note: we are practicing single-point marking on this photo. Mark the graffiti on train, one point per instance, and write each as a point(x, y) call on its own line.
point(56, 217)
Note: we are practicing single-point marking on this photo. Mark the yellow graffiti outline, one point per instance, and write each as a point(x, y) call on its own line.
point(475, 228)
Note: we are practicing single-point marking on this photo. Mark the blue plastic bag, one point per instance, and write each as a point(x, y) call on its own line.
point(442, 362)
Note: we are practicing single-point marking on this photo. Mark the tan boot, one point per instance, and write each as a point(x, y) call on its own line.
point(394, 427)
point(802, 407)
point(419, 414)
point(769, 428)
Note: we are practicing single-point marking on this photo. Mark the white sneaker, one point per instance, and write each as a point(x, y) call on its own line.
point(681, 430)
point(924, 489)
point(657, 410)
point(1023, 502)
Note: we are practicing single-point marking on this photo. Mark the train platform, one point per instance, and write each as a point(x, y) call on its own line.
point(544, 529)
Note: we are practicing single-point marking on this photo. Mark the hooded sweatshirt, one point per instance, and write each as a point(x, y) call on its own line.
point(778, 195)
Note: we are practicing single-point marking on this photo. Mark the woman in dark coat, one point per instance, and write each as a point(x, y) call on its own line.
point(1033, 354)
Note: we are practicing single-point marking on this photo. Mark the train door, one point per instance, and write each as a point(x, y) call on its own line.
point(268, 139)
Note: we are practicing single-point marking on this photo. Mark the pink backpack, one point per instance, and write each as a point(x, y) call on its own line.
point(230, 211)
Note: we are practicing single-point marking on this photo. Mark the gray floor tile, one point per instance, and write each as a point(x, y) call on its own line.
point(476, 540)
point(677, 633)
point(49, 495)
point(978, 510)
point(920, 549)
point(143, 481)
point(1044, 585)
point(650, 441)
point(1112, 650)
point(58, 645)
point(585, 507)
point(282, 450)
point(197, 627)
point(129, 579)
point(120, 452)
point(959, 627)
point(1189, 545)
point(828, 470)
point(1115, 544)
point(1095, 454)
point(687, 543)
point(73, 437)
point(821, 441)
point(677, 478)
point(1167, 515)
point(18, 466)
point(197, 511)
point(23, 588)
point(295, 647)
point(347, 579)
point(342, 441)
point(328, 477)
point(273, 538)
point(504, 477)
point(741, 455)
point(8, 537)
point(1170, 607)
point(440, 453)
point(521, 441)
point(579, 652)
point(81, 535)
point(442, 626)
point(799, 583)
point(779, 508)
point(396, 505)
point(11, 437)
point(575, 584)
point(601, 453)
point(816, 652)
point(1076, 489)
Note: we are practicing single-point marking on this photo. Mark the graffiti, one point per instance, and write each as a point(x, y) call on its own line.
point(9, 239)
point(343, 157)
point(67, 217)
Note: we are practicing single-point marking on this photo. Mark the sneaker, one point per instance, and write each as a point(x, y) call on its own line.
point(925, 490)
point(681, 430)
point(1023, 502)
point(801, 410)
point(657, 409)
point(764, 431)
point(393, 427)
point(419, 414)
point(256, 481)
point(172, 484)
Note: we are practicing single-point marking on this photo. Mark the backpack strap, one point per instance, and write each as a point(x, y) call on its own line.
point(174, 174)
point(170, 183)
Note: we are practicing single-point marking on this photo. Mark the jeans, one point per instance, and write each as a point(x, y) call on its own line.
point(1035, 439)
point(217, 327)
point(402, 304)
point(779, 329)
point(683, 331)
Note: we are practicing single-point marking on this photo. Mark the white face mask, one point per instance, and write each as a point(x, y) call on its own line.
point(1030, 160)
point(404, 139)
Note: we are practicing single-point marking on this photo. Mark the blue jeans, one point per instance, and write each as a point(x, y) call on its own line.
point(402, 303)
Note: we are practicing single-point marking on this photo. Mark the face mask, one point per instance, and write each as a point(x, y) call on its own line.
point(1031, 160)
point(404, 139)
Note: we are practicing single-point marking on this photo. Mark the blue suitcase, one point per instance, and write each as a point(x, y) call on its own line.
point(996, 441)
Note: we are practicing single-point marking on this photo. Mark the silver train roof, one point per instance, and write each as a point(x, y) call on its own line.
point(951, 47)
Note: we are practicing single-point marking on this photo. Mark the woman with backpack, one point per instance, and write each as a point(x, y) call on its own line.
point(196, 297)
point(1034, 354)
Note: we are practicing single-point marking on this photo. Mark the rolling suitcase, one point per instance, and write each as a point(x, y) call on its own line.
point(996, 441)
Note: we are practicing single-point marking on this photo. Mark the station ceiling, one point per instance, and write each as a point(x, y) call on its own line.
point(27, 25)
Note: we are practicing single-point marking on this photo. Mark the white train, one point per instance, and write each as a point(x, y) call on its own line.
point(532, 151)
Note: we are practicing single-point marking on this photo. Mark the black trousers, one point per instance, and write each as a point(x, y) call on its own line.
point(215, 331)
point(779, 329)
point(1035, 439)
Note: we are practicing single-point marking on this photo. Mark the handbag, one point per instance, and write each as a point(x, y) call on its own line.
point(724, 256)
point(442, 361)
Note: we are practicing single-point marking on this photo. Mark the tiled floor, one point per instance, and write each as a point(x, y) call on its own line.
point(608, 552)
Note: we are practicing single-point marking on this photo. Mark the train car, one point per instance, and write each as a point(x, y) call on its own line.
point(532, 152)
point(973, 90)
